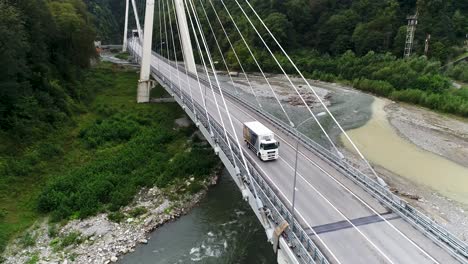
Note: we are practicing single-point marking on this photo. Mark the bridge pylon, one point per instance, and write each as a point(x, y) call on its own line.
point(124, 46)
point(145, 84)
point(185, 36)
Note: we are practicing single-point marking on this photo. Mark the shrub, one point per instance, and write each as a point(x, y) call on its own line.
point(381, 88)
point(137, 211)
point(116, 217)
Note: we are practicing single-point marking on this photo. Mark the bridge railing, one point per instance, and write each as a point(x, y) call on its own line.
point(422, 222)
point(419, 220)
point(304, 248)
point(300, 243)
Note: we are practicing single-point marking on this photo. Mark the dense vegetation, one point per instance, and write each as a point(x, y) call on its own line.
point(64, 151)
point(356, 42)
point(44, 46)
point(101, 160)
point(359, 42)
point(132, 145)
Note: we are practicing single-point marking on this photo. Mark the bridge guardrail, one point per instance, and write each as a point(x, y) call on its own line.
point(426, 225)
point(268, 197)
point(422, 222)
point(302, 245)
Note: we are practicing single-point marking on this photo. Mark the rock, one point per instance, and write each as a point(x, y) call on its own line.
point(129, 220)
point(114, 259)
point(143, 241)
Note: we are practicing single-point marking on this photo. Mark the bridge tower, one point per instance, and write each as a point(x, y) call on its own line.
point(145, 84)
point(412, 22)
point(124, 46)
point(185, 36)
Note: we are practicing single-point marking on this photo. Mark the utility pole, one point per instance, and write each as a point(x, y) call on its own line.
point(145, 84)
point(412, 22)
point(124, 46)
point(185, 36)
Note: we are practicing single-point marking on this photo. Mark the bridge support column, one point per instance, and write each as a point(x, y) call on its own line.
point(145, 84)
point(124, 46)
point(185, 36)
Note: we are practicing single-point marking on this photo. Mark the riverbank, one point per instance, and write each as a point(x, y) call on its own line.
point(222, 228)
point(419, 154)
point(97, 165)
point(423, 130)
point(106, 237)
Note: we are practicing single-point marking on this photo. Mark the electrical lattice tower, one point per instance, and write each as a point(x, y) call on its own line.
point(412, 22)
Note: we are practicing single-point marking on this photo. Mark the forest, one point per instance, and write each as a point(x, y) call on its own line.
point(353, 42)
point(56, 130)
point(72, 138)
point(44, 48)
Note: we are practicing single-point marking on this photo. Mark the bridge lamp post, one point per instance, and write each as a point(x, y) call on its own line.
point(295, 166)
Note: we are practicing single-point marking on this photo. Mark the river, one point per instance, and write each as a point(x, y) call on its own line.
point(381, 144)
point(222, 229)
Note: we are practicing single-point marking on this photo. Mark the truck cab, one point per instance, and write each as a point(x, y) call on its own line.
point(261, 140)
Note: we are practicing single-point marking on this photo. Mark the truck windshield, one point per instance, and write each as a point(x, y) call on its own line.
point(270, 146)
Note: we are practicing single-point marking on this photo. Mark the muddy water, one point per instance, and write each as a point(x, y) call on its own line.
point(379, 141)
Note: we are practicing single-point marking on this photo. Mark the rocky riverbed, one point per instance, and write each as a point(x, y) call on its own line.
point(281, 86)
point(99, 239)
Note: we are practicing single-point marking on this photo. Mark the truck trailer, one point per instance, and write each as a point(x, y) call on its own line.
point(261, 140)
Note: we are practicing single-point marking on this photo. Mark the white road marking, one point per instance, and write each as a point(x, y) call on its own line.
point(326, 173)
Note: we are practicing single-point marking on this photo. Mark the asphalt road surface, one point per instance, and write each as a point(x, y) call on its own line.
point(347, 224)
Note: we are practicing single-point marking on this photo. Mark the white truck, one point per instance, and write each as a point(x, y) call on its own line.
point(261, 140)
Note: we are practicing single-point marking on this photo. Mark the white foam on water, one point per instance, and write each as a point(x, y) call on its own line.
point(194, 250)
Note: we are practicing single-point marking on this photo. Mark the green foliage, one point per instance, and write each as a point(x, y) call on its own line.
point(28, 239)
point(34, 259)
point(123, 56)
point(459, 72)
point(3, 213)
point(137, 211)
point(381, 88)
point(44, 47)
point(122, 139)
point(72, 238)
point(67, 176)
point(52, 230)
point(116, 217)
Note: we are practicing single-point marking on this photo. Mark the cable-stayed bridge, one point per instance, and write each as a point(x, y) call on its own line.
point(314, 205)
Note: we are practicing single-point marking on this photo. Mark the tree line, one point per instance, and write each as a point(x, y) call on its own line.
point(44, 46)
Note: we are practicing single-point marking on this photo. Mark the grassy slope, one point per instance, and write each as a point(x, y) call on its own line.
point(116, 90)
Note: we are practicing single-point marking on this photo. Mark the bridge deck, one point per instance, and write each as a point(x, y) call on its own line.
point(325, 199)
